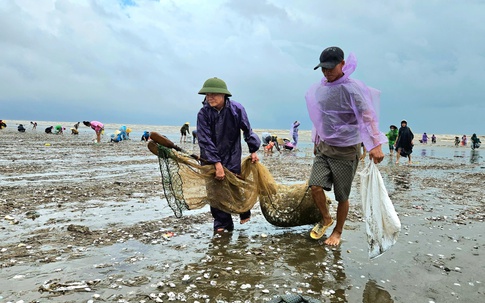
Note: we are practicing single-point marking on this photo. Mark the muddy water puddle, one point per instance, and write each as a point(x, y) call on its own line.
point(243, 266)
point(95, 214)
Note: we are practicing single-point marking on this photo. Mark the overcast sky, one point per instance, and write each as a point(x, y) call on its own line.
point(144, 61)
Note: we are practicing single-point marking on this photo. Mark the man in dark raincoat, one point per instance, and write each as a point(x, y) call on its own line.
point(184, 130)
point(219, 125)
point(404, 142)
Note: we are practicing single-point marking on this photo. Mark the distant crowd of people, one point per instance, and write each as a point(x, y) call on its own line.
point(123, 133)
point(402, 141)
point(269, 141)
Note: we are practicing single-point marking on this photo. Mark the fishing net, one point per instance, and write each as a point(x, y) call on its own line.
point(188, 185)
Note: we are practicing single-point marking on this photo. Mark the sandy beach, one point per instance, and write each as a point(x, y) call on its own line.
point(86, 222)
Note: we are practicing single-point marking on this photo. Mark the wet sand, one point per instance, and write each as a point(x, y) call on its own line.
point(91, 218)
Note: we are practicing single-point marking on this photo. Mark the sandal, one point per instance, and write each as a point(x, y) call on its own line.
point(319, 230)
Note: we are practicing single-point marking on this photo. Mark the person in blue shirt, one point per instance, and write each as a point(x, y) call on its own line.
point(194, 136)
point(146, 136)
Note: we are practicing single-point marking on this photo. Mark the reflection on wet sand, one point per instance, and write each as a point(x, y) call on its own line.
point(475, 157)
point(373, 293)
point(267, 267)
point(459, 154)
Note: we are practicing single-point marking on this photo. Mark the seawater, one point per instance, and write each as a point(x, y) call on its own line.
point(422, 153)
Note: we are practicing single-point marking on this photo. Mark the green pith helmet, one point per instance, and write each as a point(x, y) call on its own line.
point(214, 85)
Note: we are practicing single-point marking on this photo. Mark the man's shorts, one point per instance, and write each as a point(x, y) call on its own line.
point(339, 173)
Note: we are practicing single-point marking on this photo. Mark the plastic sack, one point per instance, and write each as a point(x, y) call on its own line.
point(381, 220)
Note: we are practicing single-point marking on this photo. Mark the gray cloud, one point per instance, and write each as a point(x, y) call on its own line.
point(144, 62)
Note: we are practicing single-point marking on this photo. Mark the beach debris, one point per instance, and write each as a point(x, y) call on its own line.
point(168, 235)
point(156, 297)
point(12, 219)
point(32, 215)
point(79, 229)
point(437, 218)
point(54, 286)
point(136, 281)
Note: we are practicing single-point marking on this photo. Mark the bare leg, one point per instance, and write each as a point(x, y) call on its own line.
point(342, 211)
point(409, 159)
point(98, 137)
point(398, 155)
point(321, 201)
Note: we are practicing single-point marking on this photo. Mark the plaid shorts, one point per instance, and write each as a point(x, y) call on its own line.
point(339, 173)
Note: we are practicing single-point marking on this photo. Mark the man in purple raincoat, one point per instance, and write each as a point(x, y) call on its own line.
point(343, 112)
point(219, 125)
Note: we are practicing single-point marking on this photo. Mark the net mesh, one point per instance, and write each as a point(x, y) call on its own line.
point(188, 185)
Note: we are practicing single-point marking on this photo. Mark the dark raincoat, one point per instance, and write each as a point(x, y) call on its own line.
point(219, 134)
point(404, 139)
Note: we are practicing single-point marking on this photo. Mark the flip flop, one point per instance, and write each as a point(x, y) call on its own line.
point(319, 230)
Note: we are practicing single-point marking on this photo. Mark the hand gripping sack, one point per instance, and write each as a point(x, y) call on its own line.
point(381, 220)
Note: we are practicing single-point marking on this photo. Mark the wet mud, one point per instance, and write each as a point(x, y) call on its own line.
point(85, 222)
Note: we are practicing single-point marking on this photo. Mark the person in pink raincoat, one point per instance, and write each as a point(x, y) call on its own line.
point(97, 126)
point(343, 113)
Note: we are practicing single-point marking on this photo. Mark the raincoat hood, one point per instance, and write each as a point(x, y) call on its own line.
point(345, 112)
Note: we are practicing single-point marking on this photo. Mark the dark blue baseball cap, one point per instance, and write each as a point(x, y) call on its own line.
point(330, 57)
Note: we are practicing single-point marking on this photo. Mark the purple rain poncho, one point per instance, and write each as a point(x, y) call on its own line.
point(219, 134)
point(344, 112)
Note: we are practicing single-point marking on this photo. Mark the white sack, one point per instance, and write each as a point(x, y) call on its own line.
point(381, 220)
